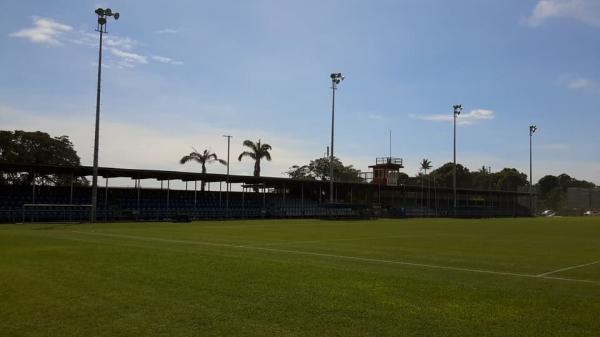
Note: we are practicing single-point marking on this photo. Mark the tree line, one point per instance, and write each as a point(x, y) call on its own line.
point(551, 190)
point(42, 149)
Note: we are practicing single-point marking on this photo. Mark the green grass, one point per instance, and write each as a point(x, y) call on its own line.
point(302, 278)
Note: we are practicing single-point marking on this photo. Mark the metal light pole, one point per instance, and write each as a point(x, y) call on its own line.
point(457, 110)
point(228, 186)
point(336, 78)
point(102, 15)
point(532, 130)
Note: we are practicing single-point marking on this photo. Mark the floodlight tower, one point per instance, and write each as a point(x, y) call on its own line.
point(532, 130)
point(457, 109)
point(103, 14)
point(336, 78)
point(228, 185)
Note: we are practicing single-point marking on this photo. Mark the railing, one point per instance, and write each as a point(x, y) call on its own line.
point(388, 160)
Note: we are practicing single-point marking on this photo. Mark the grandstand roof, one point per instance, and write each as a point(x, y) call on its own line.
point(112, 172)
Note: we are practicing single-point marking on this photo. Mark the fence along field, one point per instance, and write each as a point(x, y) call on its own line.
point(435, 277)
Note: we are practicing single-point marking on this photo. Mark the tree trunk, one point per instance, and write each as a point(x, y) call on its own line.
point(257, 167)
point(203, 182)
point(256, 171)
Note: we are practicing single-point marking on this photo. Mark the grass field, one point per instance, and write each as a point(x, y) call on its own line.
point(420, 277)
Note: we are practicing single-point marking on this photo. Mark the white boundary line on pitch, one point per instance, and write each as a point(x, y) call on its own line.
point(569, 268)
point(283, 242)
point(345, 257)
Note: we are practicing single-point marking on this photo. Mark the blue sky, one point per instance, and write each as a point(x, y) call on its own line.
point(184, 73)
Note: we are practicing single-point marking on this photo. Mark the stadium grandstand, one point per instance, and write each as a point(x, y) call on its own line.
point(253, 197)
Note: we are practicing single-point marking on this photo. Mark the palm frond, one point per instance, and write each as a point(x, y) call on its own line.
point(246, 154)
point(192, 156)
point(250, 144)
point(185, 159)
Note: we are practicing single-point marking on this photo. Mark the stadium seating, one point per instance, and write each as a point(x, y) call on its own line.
point(153, 204)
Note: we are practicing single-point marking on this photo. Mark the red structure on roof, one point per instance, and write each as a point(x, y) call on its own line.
point(386, 171)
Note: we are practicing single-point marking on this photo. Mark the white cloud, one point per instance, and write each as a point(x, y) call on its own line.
point(123, 43)
point(586, 11)
point(464, 119)
point(112, 41)
point(167, 31)
point(375, 117)
point(51, 32)
point(578, 83)
point(44, 30)
point(128, 58)
point(119, 46)
point(164, 59)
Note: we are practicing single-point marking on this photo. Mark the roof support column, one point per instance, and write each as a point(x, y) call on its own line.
point(302, 198)
point(243, 202)
point(320, 193)
point(138, 199)
point(33, 190)
point(106, 199)
point(71, 192)
point(168, 193)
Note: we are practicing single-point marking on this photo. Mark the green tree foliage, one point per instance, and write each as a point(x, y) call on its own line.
point(257, 152)
point(37, 148)
point(509, 179)
point(318, 169)
point(482, 178)
point(300, 172)
point(443, 175)
point(206, 157)
point(552, 190)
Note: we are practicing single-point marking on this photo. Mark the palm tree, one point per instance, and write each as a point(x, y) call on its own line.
point(257, 152)
point(206, 157)
point(425, 165)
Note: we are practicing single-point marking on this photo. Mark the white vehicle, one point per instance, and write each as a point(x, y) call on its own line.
point(548, 213)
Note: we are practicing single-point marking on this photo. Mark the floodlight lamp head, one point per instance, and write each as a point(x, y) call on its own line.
point(457, 109)
point(532, 128)
point(116, 15)
point(108, 12)
point(99, 12)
